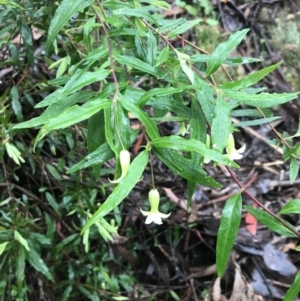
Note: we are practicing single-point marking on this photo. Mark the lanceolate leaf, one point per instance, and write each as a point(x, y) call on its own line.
point(262, 100)
point(136, 63)
point(121, 127)
point(158, 92)
point(96, 137)
point(37, 262)
point(100, 155)
point(183, 28)
point(250, 79)
point(135, 12)
point(293, 290)
point(189, 145)
point(222, 51)
point(184, 167)
point(75, 114)
point(122, 189)
point(56, 109)
point(79, 81)
point(3, 246)
point(256, 121)
point(221, 124)
point(150, 126)
point(96, 133)
point(28, 44)
point(294, 169)
point(62, 15)
point(229, 225)
point(268, 220)
point(292, 206)
point(205, 96)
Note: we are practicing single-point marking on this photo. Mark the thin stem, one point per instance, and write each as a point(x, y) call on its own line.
point(112, 67)
point(151, 169)
point(255, 200)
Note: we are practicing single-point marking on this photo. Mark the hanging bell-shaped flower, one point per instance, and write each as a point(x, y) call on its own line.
point(125, 163)
point(154, 215)
point(232, 153)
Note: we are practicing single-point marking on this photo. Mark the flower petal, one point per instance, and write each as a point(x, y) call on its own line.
point(242, 149)
point(145, 213)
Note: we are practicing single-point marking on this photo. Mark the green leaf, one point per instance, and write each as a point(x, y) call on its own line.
point(126, 32)
point(205, 97)
point(3, 246)
point(294, 289)
point(183, 28)
point(223, 50)
point(169, 104)
point(188, 145)
point(186, 66)
point(250, 113)
point(136, 63)
point(151, 49)
point(28, 44)
point(256, 121)
point(35, 260)
point(185, 168)
point(268, 220)
point(11, 3)
point(197, 132)
point(233, 61)
point(55, 109)
point(221, 124)
point(197, 124)
point(51, 200)
point(262, 100)
point(150, 126)
point(121, 127)
point(135, 12)
point(121, 191)
point(96, 137)
point(14, 153)
point(294, 169)
point(163, 56)
point(109, 129)
point(75, 114)
point(20, 267)
point(78, 80)
point(158, 92)
point(21, 240)
point(15, 103)
point(62, 15)
point(229, 225)
point(53, 98)
point(250, 79)
point(292, 206)
point(98, 156)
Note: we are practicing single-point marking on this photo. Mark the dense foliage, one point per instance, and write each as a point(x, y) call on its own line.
point(111, 65)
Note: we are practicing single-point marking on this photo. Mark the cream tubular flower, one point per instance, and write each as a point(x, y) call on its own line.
point(232, 153)
point(154, 215)
point(125, 163)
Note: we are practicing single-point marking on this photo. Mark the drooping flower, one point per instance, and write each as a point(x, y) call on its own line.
point(154, 215)
point(232, 153)
point(125, 163)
